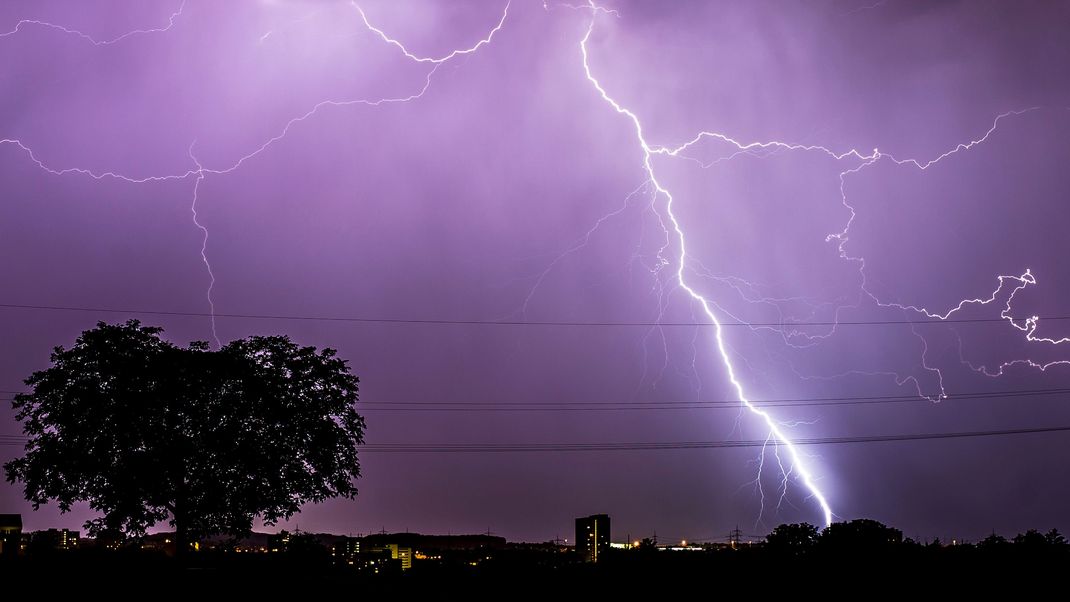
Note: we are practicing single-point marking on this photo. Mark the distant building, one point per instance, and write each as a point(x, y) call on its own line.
point(54, 540)
point(346, 551)
point(404, 555)
point(371, 556)
point(437, 543)
point(376, 562)
point(70, 539)
point(592, 537)
point(278, 542)
point(406, 548)
point(159, 542)
point(10, 534)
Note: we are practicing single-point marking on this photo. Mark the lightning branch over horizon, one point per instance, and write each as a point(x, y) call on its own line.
point(92, 40)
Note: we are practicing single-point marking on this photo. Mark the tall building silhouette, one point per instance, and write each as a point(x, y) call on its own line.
point(10, 534)
point(592, 537)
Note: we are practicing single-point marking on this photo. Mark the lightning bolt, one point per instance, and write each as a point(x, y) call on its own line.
point(1026, 279)
point(90, 173)
point(791, 335)
point(597, 9)
point(774, 429)
point(311, 15)
point(201, 171)
point(582, 242)
point(74, 32)
point(204, 241)
point(427, 59)
point(436, 62)
point(865, 160)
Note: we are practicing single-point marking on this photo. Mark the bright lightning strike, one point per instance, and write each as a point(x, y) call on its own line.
point(780, 438)
point(863, 160)
point(204, 241)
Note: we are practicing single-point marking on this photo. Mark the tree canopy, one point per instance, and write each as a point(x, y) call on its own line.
point(860, 534)
point(792, 539)
point(147, 431)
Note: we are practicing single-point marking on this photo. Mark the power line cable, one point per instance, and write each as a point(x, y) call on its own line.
point(559, 323)
point(553, 447)
point(479, 406)
point(683, 405)
point(656, 446)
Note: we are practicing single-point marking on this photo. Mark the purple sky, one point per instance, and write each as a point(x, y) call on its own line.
point(499, 184)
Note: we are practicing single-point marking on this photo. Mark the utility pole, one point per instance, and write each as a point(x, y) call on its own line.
point(734, 537)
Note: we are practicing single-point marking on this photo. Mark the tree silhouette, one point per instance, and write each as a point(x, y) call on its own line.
point(1030, 541)
point(146, 431)
point(993, 542)
point(859, 534)
point(1055, 539)
point(647, 547)
point(792, 539)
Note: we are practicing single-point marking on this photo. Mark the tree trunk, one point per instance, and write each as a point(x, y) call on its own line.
point(181, 541)
point(181, 532)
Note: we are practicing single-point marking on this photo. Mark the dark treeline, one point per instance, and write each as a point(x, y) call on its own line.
point(862, 558)
point(873, 537)
point(856, 542)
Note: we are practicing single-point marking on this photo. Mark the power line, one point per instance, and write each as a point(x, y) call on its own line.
point(555, 447)
point(684, 405)
point(676, 445)
point(527, 406)
point(457, 322)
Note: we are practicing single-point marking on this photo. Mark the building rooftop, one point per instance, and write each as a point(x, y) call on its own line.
point(11, 521)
